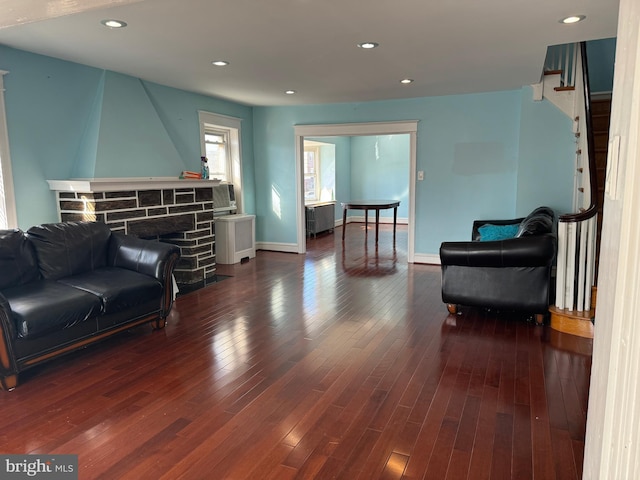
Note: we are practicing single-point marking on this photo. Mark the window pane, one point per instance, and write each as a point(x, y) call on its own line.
point(216, 155)
point(309, 161)
point(213, 138)
point(309, 187)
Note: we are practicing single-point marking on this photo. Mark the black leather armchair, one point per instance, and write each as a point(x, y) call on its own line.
point(508, 274)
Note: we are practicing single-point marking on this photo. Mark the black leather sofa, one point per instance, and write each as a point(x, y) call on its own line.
point(507, 274)
point(66, 285)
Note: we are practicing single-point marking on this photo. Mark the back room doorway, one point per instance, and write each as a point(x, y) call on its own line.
point(368, 180)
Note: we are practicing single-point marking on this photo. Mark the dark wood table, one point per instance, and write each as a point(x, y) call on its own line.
point(367, 205)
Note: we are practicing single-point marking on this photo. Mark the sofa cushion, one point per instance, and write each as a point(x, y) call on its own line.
point(18, 262)
point(118, 288)
point(69, 248)
point(46, 306)
point(490, 232)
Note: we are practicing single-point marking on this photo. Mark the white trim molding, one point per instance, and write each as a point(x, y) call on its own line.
point(277, 247)
point(427, 258)
point(234, 127)
point(409, 127)
point(131, 183)
point(6, 172)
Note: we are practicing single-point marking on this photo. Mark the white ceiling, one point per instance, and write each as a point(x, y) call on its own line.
point(446, 46)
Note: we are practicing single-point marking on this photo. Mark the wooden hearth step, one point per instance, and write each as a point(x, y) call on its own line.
point(572, 322)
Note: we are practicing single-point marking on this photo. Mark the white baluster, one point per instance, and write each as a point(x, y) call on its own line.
point(582, 257)
point(571, 266)
point(561, 269)
point(591, 260)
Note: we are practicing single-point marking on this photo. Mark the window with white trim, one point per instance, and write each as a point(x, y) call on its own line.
point(217, 152)
point(220, 142)
point(319, 171)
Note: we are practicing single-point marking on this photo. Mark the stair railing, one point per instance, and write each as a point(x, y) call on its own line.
point(577, 231)
point(563, 59)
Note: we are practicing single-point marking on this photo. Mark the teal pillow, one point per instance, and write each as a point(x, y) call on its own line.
point(489, 232)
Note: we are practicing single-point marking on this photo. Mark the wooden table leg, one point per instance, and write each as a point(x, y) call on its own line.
point(377, 222)
point(395, 218)
point(366, 220)
point(344, 221)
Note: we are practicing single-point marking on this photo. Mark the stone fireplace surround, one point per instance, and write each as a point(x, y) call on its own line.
point(176, 211)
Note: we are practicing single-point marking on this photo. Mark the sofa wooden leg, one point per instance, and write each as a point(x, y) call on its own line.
point(452, 308)
point(539, 317)
point(159, 324)
point(9, 383)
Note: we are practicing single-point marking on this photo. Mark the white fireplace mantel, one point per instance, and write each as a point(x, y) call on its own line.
point(86, 185)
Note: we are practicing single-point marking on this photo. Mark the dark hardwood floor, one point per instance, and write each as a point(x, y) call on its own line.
point(343, 363)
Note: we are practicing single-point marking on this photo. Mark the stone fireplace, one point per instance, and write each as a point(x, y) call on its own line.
point(168, 209)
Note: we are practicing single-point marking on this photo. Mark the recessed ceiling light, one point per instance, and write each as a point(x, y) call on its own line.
point(368, 45)
point(406, 80)
point(573, 19)
point(290, 92)
point(111, 23)
point(220, 63)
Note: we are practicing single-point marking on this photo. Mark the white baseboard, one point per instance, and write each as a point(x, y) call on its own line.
point(429, 259)
point(277, 247)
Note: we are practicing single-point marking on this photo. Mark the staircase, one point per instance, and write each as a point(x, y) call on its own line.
point(573, 321)
point(566, 85)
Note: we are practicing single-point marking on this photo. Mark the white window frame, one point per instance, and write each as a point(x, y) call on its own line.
point(209, 129)
point(231, 127)
point(317, 165)
point(8, 212)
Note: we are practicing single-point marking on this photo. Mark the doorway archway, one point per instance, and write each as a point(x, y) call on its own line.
point(409, 127)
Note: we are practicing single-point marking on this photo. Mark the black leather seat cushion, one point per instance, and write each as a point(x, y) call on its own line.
point(118, 288)
point(46, 306)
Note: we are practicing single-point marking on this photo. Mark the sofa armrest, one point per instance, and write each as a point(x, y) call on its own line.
point(533, 251)
point(7, 336)
point(149, 257)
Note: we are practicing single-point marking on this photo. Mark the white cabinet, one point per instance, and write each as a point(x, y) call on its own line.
point(235, 238)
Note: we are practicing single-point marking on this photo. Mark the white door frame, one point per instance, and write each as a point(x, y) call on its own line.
point(409, 127)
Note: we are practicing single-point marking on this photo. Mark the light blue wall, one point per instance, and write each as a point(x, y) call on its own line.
point(68, 120)
point(328, 170)
point(547, 157)
point(484, 155)
point(380, 170)
point(467, 145)
point(371, 167)
point(48, 104)
point(601, 56)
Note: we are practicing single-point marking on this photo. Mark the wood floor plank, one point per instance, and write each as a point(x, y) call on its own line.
point(341, 363)
point(482, 452)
